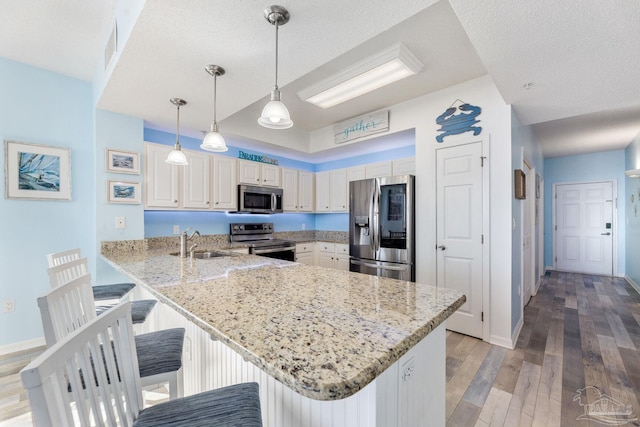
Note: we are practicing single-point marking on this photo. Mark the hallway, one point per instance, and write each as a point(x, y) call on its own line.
point(579, 331)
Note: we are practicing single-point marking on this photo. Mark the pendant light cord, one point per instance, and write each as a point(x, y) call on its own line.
point(178, 127)
point(215, 80)
point(277, 22)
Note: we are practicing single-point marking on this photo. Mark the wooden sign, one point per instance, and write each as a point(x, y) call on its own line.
point(359, 127)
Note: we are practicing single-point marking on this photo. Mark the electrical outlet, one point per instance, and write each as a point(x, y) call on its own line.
point(120, 222)
point(9, 306)
point(176, 229)
point(304, 226)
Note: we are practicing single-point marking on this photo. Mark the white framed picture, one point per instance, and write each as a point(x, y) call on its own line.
point(119, 161)
point(123, 192)
point(37, 172)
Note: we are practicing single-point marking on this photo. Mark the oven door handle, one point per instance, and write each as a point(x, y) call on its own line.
point(272, 250)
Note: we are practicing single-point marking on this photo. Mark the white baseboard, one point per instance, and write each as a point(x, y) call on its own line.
point(22, 345)
point(633, 284)
point(504, 342)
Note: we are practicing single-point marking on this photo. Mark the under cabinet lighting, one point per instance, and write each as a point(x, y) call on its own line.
point(385, 67)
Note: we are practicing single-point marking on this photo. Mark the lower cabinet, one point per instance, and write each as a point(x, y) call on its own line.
point(333, 255)
point(304, 253)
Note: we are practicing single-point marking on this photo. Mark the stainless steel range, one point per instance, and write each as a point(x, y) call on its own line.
point(259, 238)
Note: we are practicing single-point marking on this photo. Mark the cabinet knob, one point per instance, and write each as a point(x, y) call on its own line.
point(175, 201)
point(217, 203)
point(257, 179)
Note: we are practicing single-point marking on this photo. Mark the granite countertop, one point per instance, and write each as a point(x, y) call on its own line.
point(324, 333)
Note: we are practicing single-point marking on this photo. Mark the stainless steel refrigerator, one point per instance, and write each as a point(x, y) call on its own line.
point(382, 227)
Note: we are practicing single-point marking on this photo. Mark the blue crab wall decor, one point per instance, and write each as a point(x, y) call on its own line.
point(454, 124)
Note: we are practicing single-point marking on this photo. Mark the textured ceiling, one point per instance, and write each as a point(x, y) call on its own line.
point(582, 58)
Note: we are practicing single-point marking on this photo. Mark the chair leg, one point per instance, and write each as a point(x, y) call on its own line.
point(176, 385)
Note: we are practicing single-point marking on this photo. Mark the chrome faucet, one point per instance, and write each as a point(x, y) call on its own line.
point(184, 238)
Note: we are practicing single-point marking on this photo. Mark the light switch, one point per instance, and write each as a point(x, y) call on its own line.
point(120, 222)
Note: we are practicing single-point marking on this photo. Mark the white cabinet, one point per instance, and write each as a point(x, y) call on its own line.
point(377, 170)
point(290, 190)
point(356, 173)
point(342, 257)
point(196, 192)
point(298, 190)
point(331, 191)
point(304, 253)
point(306, 195)
point(338, 188)
point(333, 255)
point(225, 194)
point(405, 166)
point(322, 191)
point(255, 173)
point(161, 178)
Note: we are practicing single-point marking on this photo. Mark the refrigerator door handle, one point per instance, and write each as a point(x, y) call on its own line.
point(381, 267)
point(376, 218)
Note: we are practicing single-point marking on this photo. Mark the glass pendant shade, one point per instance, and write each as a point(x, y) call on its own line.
point(275, 114)
point(213, 141)
point(177, 157)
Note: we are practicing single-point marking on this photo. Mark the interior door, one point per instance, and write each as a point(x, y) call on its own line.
point(528, 243)
point(459, 231)
point(584, 228)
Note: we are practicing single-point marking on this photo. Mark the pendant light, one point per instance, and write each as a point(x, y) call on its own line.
point(213, 141)
point(275, 114)
point(177, 157)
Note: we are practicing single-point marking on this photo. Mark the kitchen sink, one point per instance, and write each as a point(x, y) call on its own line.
point(203, 254)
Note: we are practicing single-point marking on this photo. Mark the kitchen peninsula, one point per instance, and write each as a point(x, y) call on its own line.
point(328, 347)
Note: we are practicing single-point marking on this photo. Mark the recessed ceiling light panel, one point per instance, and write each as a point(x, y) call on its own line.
point(381, 69)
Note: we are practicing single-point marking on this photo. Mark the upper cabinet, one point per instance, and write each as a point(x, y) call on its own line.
point(161, 178)
point(254, 173)
point(377, 170)
point(331, 191)
point(196, 192)
point(290, 190)
point(306, 193)
point(225, 194)
point(406, 166)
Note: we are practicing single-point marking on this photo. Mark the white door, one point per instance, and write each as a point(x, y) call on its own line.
point(459, 231)
point(584, 228)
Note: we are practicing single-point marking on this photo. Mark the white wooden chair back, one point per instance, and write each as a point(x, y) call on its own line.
point(64, 273)
point(66, 308)
point(82, 368)
point(60, 258)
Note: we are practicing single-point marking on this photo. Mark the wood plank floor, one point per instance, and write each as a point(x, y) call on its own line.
point(578, 346)
point(576, 362)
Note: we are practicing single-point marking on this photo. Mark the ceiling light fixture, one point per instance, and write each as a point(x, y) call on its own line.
point(275, 114)
point(385, 67)
point(633, 173)
point(176, 156)
point(213, 141)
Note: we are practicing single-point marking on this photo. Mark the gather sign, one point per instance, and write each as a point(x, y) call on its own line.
point(359, 127)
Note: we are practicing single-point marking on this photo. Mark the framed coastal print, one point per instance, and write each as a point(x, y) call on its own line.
point(119, 161)
point(123, 192)
point(37, 172)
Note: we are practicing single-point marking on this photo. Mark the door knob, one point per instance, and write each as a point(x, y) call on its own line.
point(605, 234)
point(441, 247)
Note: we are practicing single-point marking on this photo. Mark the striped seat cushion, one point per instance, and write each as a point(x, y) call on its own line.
point(140, 309)
point(113, 291)
point(160, 352)
point(236, 405)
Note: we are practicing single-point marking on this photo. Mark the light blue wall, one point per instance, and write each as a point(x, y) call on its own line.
point(45, 108)
point(608, 165)
point(116, 131)
point(632, 214)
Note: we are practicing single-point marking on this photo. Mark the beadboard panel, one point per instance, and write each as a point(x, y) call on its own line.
point(397, 397)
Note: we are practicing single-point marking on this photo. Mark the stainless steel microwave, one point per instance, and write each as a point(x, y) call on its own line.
point(262, 200)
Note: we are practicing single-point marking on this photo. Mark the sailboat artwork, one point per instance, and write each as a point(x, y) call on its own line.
point(37, 172)
point(40, 172)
